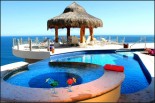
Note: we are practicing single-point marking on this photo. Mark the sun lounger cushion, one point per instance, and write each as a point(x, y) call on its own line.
point(114, 67)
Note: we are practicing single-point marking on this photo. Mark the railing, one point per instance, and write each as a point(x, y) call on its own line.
point(30, 43)
point(117, 40)
point(36, 44)
point(142, 38)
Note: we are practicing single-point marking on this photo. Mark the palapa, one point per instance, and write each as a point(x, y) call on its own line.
point(74, 16)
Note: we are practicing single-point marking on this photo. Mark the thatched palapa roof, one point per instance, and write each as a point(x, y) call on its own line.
point(74, 16)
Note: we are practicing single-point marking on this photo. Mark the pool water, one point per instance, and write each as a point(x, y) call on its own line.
point(37, 74)
point(135, 79)
point(60, 77)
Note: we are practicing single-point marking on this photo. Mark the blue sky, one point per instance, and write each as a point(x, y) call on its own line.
point(119, 17)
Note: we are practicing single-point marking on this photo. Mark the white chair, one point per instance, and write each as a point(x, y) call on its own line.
point(73, 40)
point(64, 41)
point(96, 42)
point(104, 41)
point(88, 40)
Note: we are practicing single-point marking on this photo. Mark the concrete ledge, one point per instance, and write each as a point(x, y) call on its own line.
point(108, 83)
point(31, 54)
point(9, 67)
point(111, 96)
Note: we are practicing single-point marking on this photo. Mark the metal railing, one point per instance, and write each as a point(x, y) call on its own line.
point(31, 43)
point(142, 38)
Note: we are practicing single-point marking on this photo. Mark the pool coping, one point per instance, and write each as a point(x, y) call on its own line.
point(107, 82)
point(147, 94)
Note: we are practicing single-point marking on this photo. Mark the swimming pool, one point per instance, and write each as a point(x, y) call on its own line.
point(136, 75)
point(36, 74)
point(135, 78)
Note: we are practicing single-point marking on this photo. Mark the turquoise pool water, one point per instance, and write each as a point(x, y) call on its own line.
point(37, 74)
point(135, 80)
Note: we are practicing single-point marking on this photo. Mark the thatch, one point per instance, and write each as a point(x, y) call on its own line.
point(74, 16)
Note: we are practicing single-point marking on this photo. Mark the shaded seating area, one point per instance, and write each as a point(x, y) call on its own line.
point(64, 40)
point(74, 16)
point(94, 42)
point(43, 44)
point(73, 40)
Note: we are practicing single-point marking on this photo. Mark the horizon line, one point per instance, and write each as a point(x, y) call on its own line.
point(72, 35)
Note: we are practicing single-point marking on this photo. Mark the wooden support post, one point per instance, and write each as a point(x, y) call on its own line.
point(81, 34)
point(84, 39)
point(91, 33)
point(84, 31)
point(68, 32)
point(56, 34)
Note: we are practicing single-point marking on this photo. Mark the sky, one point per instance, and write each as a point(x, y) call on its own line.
point(118, 17)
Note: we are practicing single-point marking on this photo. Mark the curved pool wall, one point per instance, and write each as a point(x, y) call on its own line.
point(15, 71)
point(56, 56)
point(34, 76)
point(130, 85)
point(144, 69)
point(53, 58)
point(87, 92)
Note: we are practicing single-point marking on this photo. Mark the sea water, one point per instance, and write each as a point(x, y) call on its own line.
point(8, 57)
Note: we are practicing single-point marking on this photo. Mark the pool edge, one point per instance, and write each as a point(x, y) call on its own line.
point(16, 95)
point(148, 93)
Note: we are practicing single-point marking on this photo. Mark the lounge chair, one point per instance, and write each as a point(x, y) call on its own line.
point(96, 42)
point(73, 40)
point(64, 41)
point(104, 41)
point(85, 43)
point(88, 40)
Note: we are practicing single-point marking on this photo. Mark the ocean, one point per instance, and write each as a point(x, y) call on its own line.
point(6, 43)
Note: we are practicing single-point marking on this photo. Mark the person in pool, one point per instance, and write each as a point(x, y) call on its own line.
point(150, 51)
